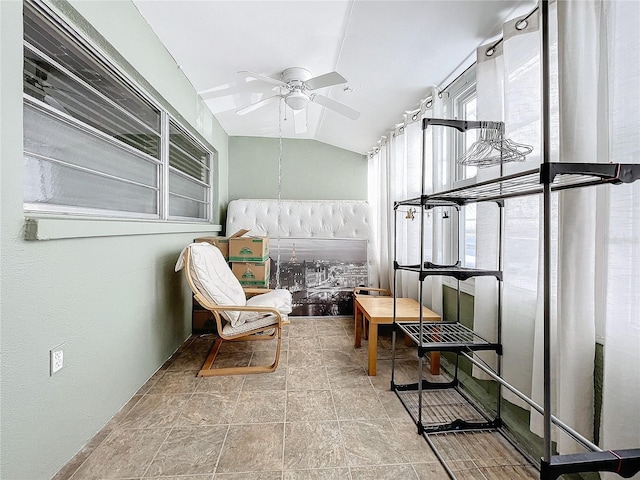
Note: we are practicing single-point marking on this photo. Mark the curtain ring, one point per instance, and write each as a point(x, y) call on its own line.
point(429, 103)
point(490, 51)
point(522, 24)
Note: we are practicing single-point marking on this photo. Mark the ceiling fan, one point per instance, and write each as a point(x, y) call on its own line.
point(295, 88)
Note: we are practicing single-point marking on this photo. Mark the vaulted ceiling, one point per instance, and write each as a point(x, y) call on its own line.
point(389, 52)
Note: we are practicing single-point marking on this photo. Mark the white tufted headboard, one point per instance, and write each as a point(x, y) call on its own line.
point(339, 219)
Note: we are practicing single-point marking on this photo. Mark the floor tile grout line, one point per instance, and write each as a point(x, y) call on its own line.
point(342, 442)
point(173, 426)
point(224, 442)
point(286, 400)
point(96, 447)
point(157, 451)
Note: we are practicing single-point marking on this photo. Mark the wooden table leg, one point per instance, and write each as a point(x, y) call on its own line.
point(373, 348)
point(435, 363)
point(358, 326)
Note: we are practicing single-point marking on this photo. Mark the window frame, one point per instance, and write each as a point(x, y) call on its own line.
point(166, 118)
point(458, 95)
point(167, 169)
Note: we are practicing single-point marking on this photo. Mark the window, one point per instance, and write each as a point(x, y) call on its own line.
point(461, 104)
point(464, 108)
point(189, 170)
point(94, 142)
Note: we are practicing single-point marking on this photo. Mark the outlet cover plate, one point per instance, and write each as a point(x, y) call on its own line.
point(56, 356)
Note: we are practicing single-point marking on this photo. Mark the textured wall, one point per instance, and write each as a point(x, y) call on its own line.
point(114, 302)
point(311, 170)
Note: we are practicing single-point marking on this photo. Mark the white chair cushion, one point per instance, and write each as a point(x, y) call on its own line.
point(230, 330)
point(215, 280)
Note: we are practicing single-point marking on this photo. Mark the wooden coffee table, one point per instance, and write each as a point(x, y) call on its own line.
point(379, 310)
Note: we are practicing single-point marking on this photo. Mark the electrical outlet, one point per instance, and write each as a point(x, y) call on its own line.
point(57, 359)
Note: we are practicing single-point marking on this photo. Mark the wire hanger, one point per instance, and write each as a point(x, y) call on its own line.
point(492, 148)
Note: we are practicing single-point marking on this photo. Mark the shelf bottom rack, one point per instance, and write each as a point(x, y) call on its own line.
point(483, 454)
point(442, 410)
point(466, 440)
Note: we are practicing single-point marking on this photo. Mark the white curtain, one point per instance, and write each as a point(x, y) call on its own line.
point(620, 421)
point(379, 200)
point(594, 118)
point(395, 174)
point(595, 290)
point(597, 52)
point(508, 89)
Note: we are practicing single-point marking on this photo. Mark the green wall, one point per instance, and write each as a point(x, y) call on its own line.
point(311, 170)
point(112, 300)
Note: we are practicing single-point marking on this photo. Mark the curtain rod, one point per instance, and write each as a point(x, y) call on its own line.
point(455, 79)
point(522, 24)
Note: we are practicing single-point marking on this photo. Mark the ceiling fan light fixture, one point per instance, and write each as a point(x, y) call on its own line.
point(297, 88)
point(296, 100)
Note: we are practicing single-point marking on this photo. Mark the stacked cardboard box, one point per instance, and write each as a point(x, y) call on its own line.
point(221, 242)
point(248, 249)
point(252, 274)
point(249, 257)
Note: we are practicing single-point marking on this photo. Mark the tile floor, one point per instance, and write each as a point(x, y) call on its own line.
point(318, 416)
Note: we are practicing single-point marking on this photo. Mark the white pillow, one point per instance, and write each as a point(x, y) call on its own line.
point(279, 299)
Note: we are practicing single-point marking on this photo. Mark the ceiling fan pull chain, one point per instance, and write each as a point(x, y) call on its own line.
point(279, 188)
point(283, 99)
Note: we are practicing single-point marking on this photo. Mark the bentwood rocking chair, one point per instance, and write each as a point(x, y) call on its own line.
point(214, 286)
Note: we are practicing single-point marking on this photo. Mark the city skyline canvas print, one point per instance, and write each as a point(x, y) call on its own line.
point(320, 273)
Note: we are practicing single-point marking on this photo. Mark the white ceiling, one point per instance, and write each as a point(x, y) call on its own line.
point(389, 51)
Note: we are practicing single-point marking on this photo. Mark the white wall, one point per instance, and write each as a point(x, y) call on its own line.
point(112, 301)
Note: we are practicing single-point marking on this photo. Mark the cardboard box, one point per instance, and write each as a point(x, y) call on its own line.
point(203, 322)
point(221, 242)
point(252, 274)
point(248, 249)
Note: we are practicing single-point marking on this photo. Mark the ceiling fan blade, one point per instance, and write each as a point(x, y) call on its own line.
point(338, 107)
point(300, 120)
point(326, 80)
point(262, 78)
point(255, 106)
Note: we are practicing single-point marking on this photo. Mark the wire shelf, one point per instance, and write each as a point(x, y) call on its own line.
point(455, 271)
point(481, 454)
point(446, 336)
point(560, 176)
point(439, 407)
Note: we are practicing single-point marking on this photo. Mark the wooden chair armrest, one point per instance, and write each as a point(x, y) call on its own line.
point(382, 291)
